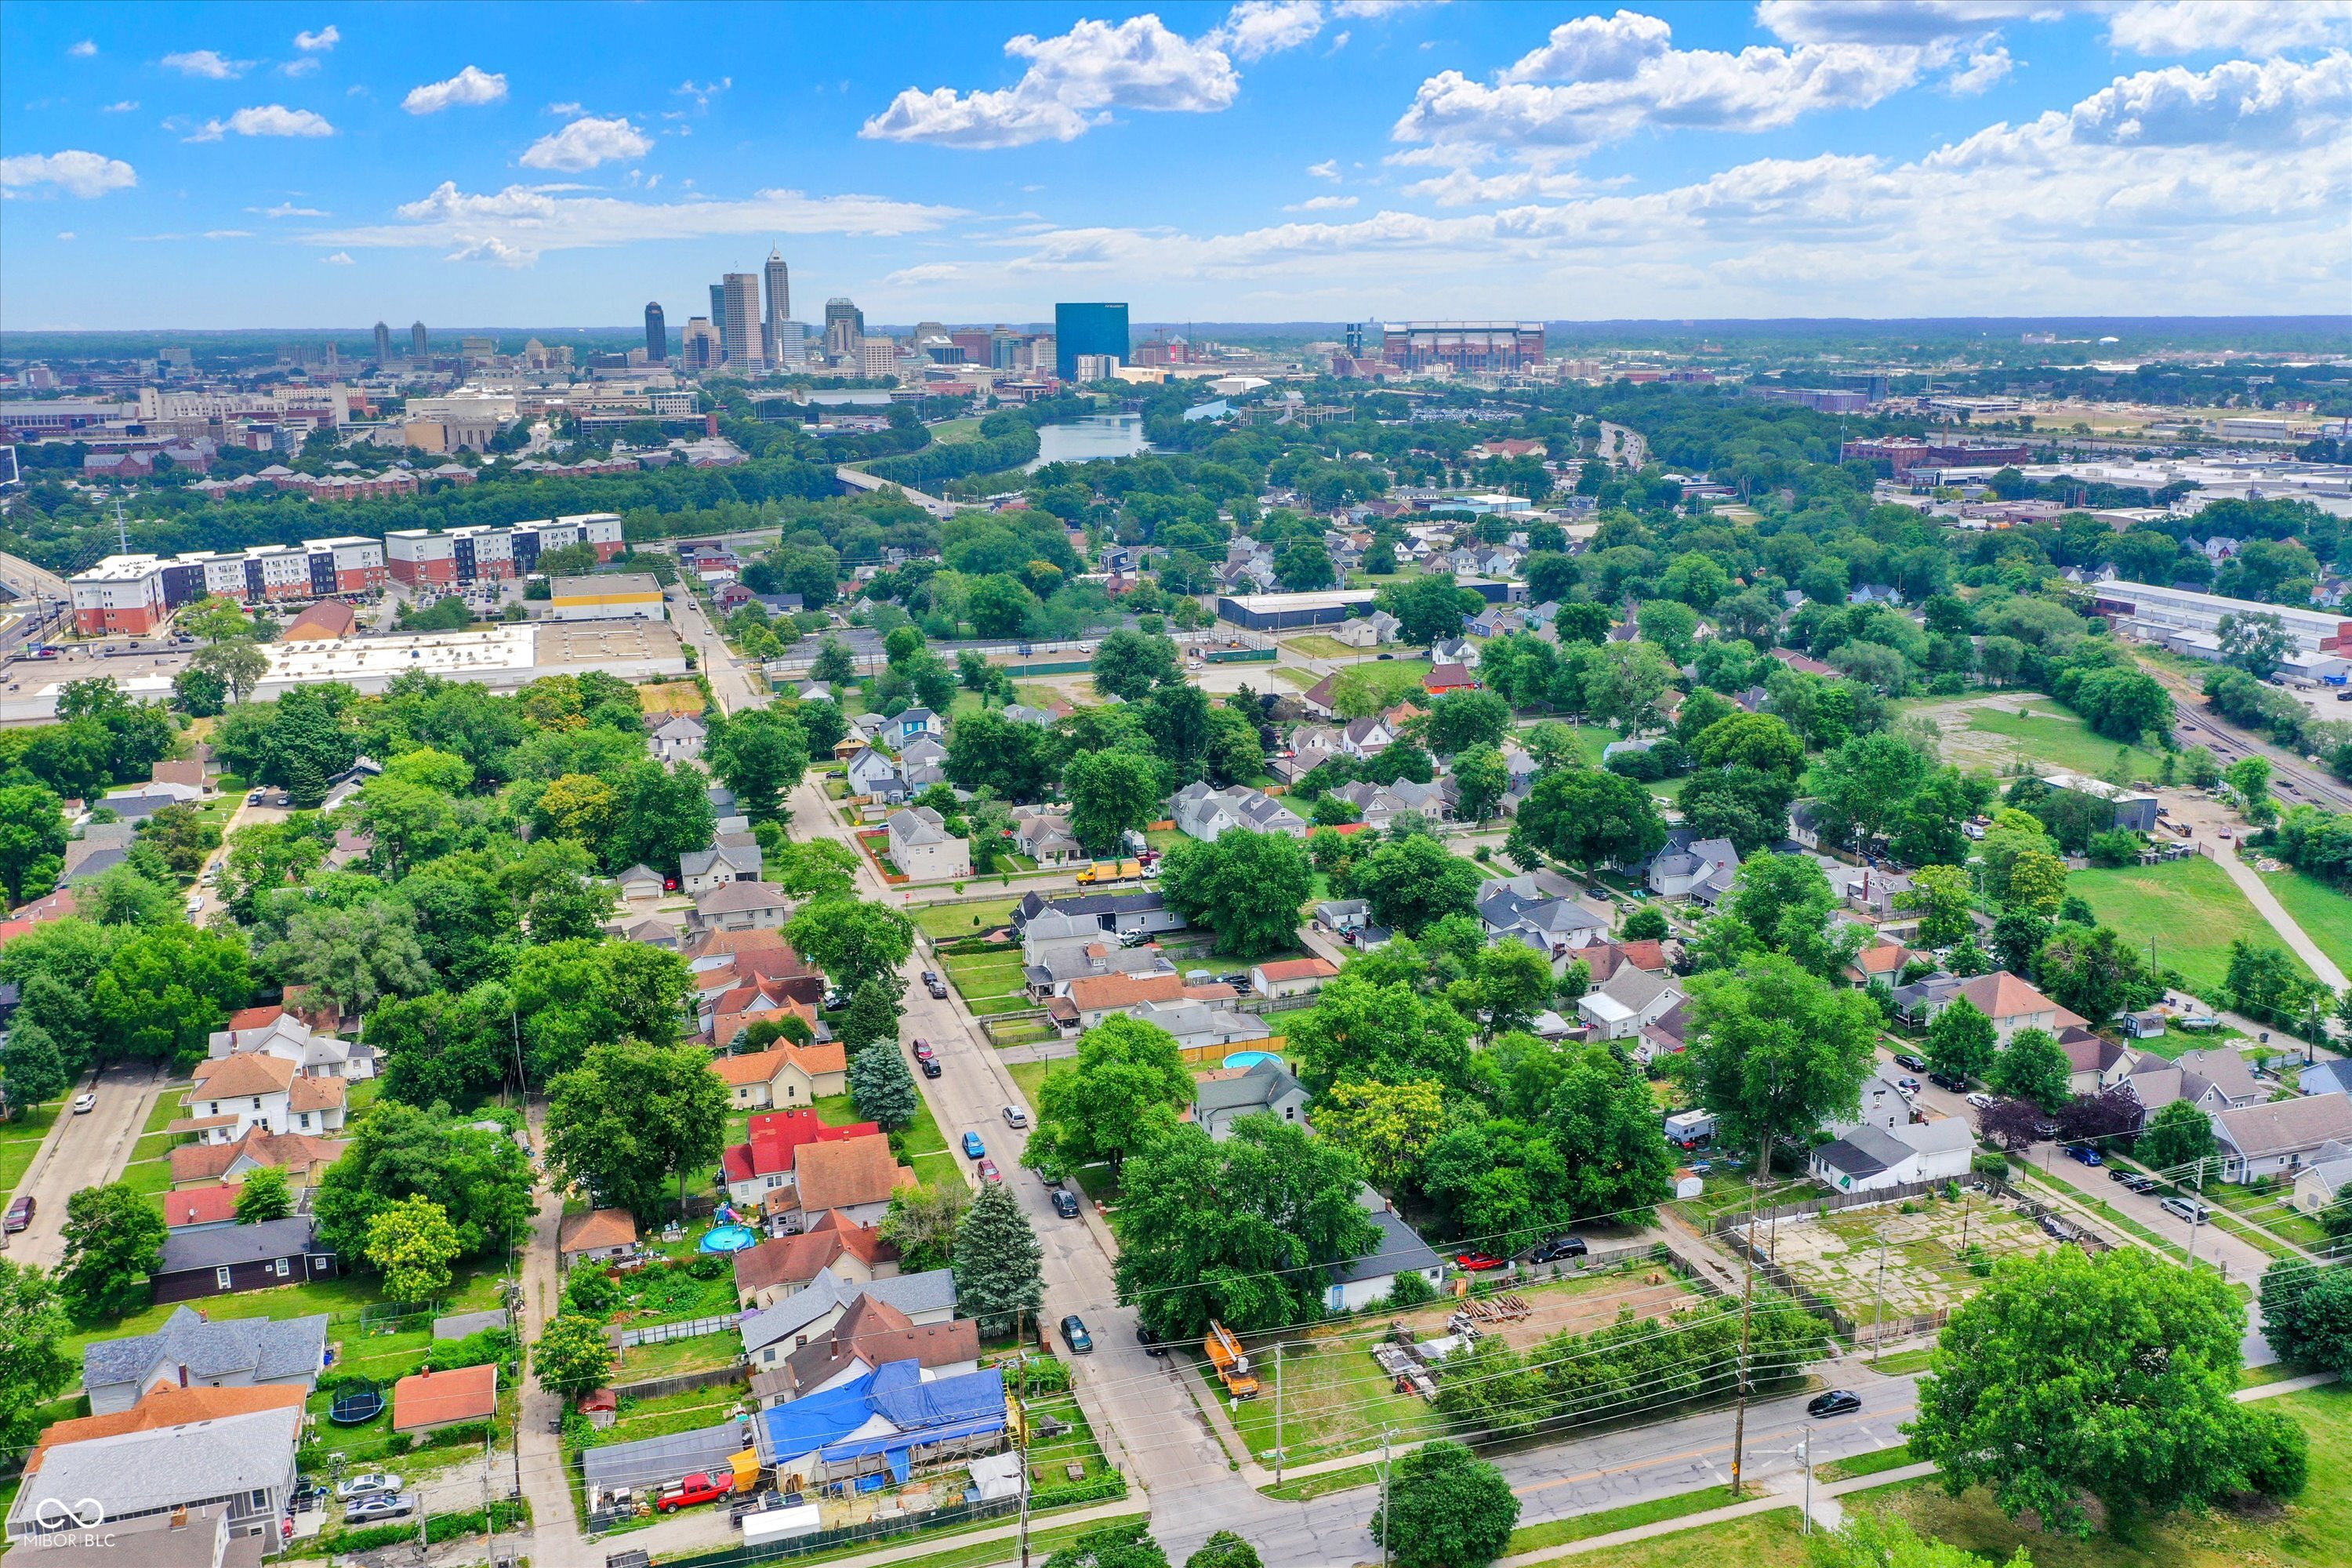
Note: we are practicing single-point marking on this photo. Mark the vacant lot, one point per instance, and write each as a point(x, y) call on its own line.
point(991, 983)
point(2325, 913)
point(2190, 910)
point(945, 922)
point(1926, 1253)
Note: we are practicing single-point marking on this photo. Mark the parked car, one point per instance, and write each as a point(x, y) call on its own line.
point(2084, 1154)
point(1016, 1117)
point(2133, 1180)
point(2189, 1209)
point(1150, 1346)
point(1558, 1247)
point(930, 1068)
point(377, 1507)
point(935, 985)
point(1948, 1080)
point(368, 1484)
point(1477, 1262)
point(1836, 1401)
point(20, 1214)
point(692, 1491)
point(973, 1149)
point(1066, 1202)
point(85, 1102)
point(1907, 1087)
point(1075, 1335)
point(989, 1172)
point(923, 1051)
point(1910, 1059)
point(1980, 1101)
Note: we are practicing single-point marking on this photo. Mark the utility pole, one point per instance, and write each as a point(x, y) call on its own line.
point(1386, 1433)
point(1746, 1310)
point(1806, 1459)
point(1021, 1430)
point(2197, 1218)
point(1877, 1328)
point(1277, 1412)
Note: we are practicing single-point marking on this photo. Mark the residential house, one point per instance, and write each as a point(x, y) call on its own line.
point(1141, 912)
point(876, 775)
point(923, 849)
point(191, 1351)
point(2094, 1063)
point(1203, 813)
point(1452, 676)
point(1088, 1000)
point(205, 1206)
point(1630, 998)
point(1497, 620)
point(1203, 1026)
point(599, 1235)
point(1874, 890)
point(680, 738)
point(1021, 713)
point(2325, 1077)
point(1359, 1281)
point(2211, 1080)
point(869, 1335)
point(764, 1162)
point(193, 1537)
point(1319, 699)
point(922, 763)
point(1881, 1105)
point(1540, 908)
point(1045, 837)
point(1341, 916)
point(2324, 1177)
point(834, 1245)
point(700, 870)
point(721, 960)
point(232, 1095)
point(917, 722)
point(428, 1401)
point(1699, 869)
point(1291, 977)
point(301, 1155)
point(274, 1031)
point(876, 1422)
point(1882, 965)
point(740, 906)
point(1265, 1088)
point(1066, 966)
point(775, 1332)
point(188, 1449)
point(783, 1075)
point(2279, 1137)
point(639, 884)
point(214, 1262)
point(1870, 1158)
point(1665, 1035)
point(1367, 631)
point(2010, 1002)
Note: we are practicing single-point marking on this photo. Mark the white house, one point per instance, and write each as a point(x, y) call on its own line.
point(1203, 813)
point(1869, 1158)
point(2323, 1176)
point(680, 740)
point(639, 882)
point(1705, 867)
point(871, 772)
point(2280, 1137)
point(1361, 1281)
point(700, 870)
point(1616, 1009)
point(273, 1031)
point(921, 847)
point(234, 1094)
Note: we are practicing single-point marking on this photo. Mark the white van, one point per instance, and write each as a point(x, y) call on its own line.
point(2189, 1209)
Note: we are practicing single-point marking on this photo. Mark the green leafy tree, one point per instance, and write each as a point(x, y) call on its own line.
point(412, 1244)
point(456, 1050)
point(351, 959)
point(1962, 1041)
point(1225, 1550)
point(32, 840)
point(1481, 778)
point(1510, 983)
point(1623, 682)
point(882, 1088)
point(852, 941)
point(761, 753)
point(574, 994)
point(1939, 896)
point(482, 1179)
point(1886, 1541)
point(2036, 881)
point(1775, 1051)
point(1446, 1508)
point(1128, 664)
point(921, 1223)
point(1784, 904)
point(236, 665)
point(873, 1015)
point(1412, 883)
point(572, 1356)
point(1098, 1111)
point(2178, 1136)
point(1285, 1211)
point(2094, 972)
point(1111, 792)
point(2308, 1314)
point(2255, 641)
point(1124, 1543)
point(266, 1196)
point(1429, 609)
point(2112, 1376)
point(1460, 719)
point(32, 1068)
point(2264, 982)
point(632, 1116)
point(113, 1240)
point(998, 1266)
point(34, 1366)
point(1647, 923)
point(1245, 887)
point(834, 665)
point(1590, 817)
point(1388, 1126)
point(2033, 1067)
point(1380, 1027)
point(166, 988)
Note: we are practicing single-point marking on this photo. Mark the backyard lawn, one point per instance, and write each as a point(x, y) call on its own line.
point(2061, 740)
point(21, 1140)
point(991, 983)
point(2324, 912)
point(944, 922)
point(2190, 908)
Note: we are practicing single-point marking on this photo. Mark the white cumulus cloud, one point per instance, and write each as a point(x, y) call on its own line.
point(287, 209)
point(228, 233)
point(339, 259)
point(1986, 66)
point(584, 143)
point(305, 66)
point(1256, 28)
point(1321, 205)
point(75, 172)
point(209, 63)
point(1073, 83)
point(2254, 27)
point(471, 86)
point(1328, 169)
point(325, 38)
point(1916, 22)
point(265, 120)
point(125, 107)
point(82, 51)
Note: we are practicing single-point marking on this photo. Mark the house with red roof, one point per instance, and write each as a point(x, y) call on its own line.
point(1444, 678)
point(194, 1208)
point(765, 1161)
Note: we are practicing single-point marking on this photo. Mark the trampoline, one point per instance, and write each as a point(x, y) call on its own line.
point(356, 1405)
point(729, 1239)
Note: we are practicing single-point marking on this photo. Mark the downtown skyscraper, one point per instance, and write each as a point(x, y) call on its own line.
point(779, 307)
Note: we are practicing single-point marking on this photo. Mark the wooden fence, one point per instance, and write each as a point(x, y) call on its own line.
point(683, 1383)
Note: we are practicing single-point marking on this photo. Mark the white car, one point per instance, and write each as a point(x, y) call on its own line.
point(1980, 1101)
point(369, 1484)
point(85, 1103)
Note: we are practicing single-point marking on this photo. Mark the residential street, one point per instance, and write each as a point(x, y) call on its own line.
point(84, 1152)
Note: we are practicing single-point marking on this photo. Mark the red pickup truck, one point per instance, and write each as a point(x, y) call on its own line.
point(692, 1491)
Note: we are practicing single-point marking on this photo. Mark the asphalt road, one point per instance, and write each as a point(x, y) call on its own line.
point(84, 1152)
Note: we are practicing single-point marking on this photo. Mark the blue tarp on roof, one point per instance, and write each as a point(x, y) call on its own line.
point(809, 1424)
point(922, 1413)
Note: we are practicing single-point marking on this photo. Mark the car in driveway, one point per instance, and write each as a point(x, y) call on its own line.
point(20, 1214)
point(1152, 1346)
point(1836, 1401)
point(85, 1103)
point(1477, 1262)
point(973, 1149)
point(1075, 1335)
point(378, 1506)
point(1066, 1202)
point(2084, 1154)
point(367, 1483)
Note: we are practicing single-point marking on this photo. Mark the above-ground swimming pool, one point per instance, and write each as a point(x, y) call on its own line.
point(729, 1239)
point(1251, 1058)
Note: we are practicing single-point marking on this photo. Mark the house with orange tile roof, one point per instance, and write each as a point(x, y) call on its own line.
point(209, 1206)
point(764, 1162)
point(599, 1235)
point(854, 1253)
point(1291, 977)
point(729, 1014)
point(232, 1095)
point(783, 1075)
point(428, 1401)
point(855, 1175)
point(301, 1155)
point(1883, 964)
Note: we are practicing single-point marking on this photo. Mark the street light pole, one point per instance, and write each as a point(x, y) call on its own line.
point(1877, 1318)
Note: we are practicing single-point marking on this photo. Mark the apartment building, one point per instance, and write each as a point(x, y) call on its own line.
point(132, 594)
point(420, 557)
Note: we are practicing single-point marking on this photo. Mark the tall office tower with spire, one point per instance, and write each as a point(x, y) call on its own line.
point(845, 326)
point(382, 343)
point(419, 348)
point(780, 307)
point(657, 335)
point(738, 325)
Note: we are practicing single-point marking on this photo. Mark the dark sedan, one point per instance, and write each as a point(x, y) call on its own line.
point(1836, 1401)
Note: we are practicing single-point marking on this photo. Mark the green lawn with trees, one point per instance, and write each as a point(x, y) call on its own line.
point(2188, 907)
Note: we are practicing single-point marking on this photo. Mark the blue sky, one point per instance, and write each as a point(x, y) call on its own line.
point(300, 165)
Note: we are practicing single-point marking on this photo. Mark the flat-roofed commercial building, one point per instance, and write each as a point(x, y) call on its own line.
point(1463, 345)
point(1286, 612)
point(2191, 621)
point(608, 596)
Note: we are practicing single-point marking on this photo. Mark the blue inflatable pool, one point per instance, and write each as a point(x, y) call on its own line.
point(729, 1239)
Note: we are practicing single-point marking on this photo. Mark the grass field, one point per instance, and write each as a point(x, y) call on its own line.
point(2191, 910)
point(1316, 645)
point(149, 1169)
point(21, 1140)
point(1585, 1526)
point(944, 922)
point(991, 983)
point(476, 1289)
point(2061, 740)
point(2324, 913)
point(948, 432)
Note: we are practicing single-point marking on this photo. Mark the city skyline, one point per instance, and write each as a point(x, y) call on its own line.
point(1308, 160)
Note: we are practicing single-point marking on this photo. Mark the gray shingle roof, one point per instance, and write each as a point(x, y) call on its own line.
point(1400, 1250)
point(265, 1348)
point(1265, 1083)
point(136, 1472)
point(933, 1290)
point(209, 1248)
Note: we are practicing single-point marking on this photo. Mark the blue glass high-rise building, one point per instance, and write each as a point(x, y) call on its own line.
point(1087, 329)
